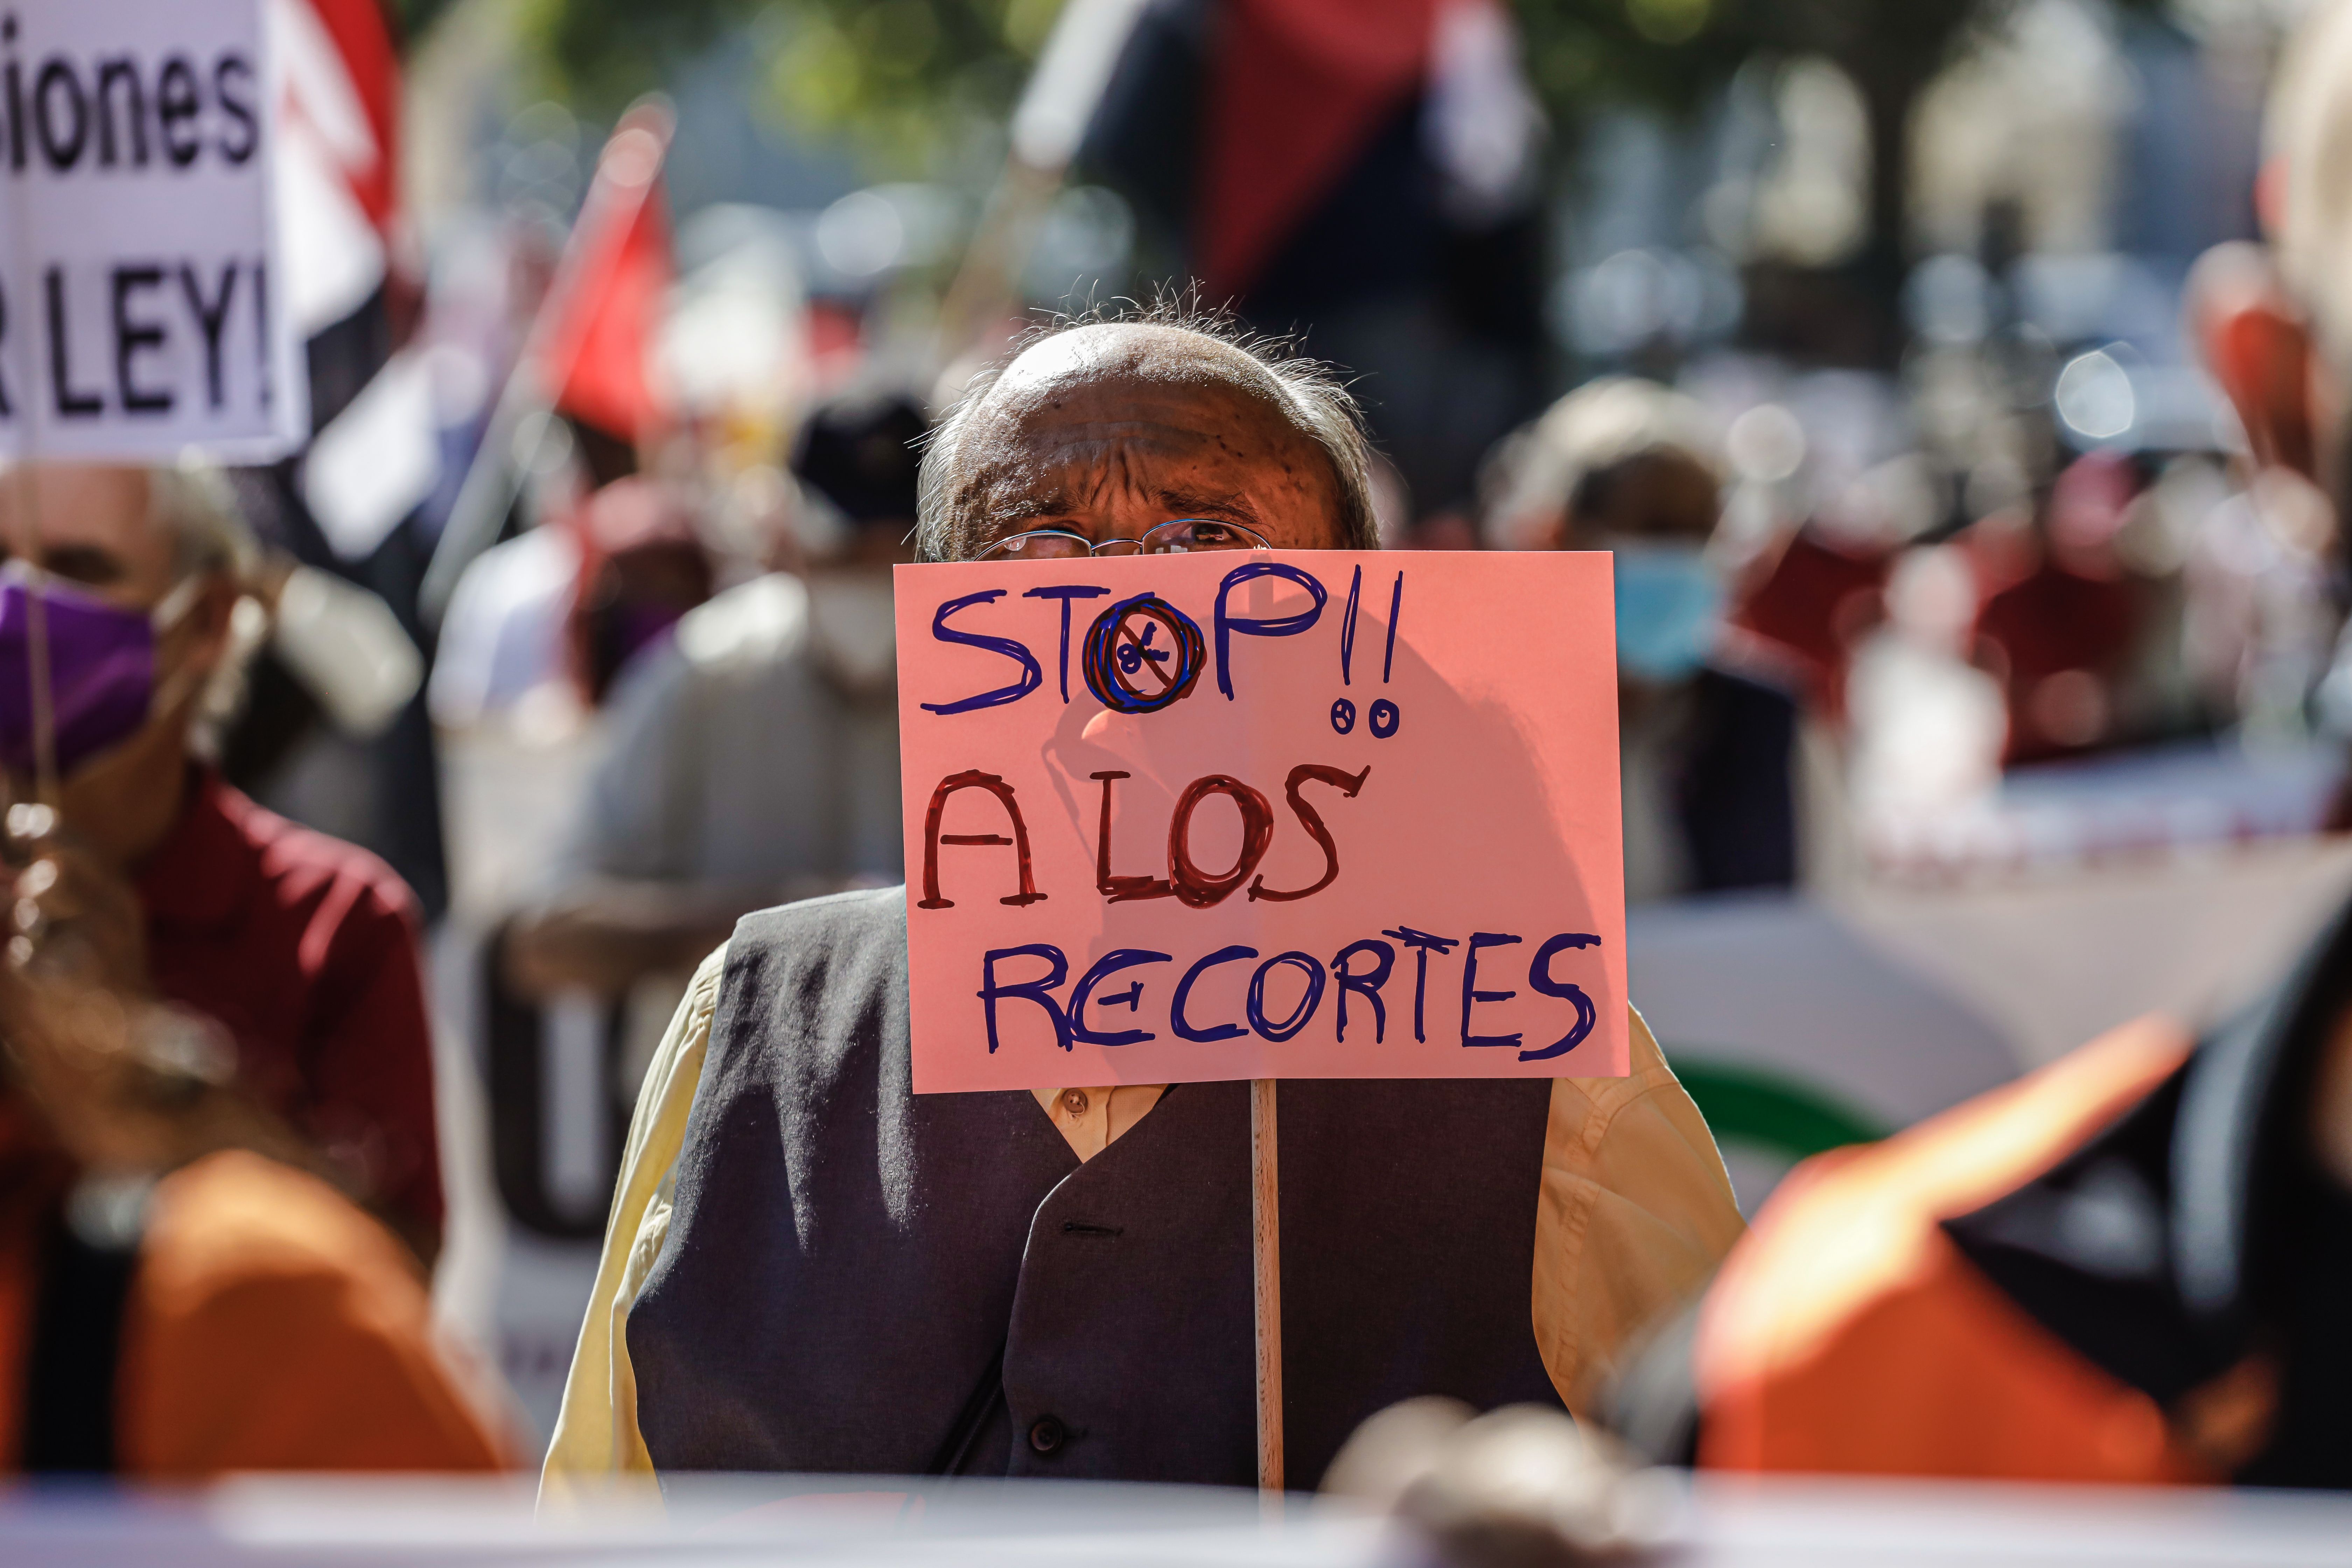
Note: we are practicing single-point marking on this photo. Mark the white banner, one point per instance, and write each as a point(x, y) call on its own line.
point(141, 305)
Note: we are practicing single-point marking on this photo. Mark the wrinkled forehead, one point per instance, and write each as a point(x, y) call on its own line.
point(1108, 429)
point(1138, 383)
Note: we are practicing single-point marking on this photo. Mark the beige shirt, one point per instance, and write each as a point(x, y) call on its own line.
point(1634, 1212)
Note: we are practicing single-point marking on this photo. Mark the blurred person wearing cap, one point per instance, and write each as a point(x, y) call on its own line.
point(184, 1293)
point(154, 877)
point(642, 567)
point(809, 1267)
point(1709, 754)
point(2134, 1265)
point(753, 755)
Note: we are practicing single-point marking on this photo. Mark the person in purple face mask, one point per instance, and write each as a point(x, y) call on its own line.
point(257, 952)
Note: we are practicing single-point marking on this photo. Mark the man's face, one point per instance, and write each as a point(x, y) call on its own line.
point(94, 530)
point(1109, 431)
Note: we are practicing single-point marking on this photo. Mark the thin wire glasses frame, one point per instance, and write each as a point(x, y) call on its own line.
point(1177, 536)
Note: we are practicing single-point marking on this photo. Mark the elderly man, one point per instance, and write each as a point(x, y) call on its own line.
point(815, 1270)
point(285, 959)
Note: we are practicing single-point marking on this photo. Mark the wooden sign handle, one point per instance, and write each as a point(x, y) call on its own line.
point(1266, 1260)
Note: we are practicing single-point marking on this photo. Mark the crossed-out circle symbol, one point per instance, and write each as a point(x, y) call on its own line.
point(1128, 664)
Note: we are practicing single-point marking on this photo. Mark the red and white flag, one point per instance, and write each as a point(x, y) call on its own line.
point(338, 159)
point(1297, 90)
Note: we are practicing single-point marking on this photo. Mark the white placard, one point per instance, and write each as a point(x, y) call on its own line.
point(141, 304)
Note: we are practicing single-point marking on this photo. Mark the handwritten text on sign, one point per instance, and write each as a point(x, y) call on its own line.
point(141, 309)
point(1260, 814)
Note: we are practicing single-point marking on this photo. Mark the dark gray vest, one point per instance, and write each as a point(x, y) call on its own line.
point(858, 1279)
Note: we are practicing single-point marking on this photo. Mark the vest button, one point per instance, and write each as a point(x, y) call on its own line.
point(1046, 1435)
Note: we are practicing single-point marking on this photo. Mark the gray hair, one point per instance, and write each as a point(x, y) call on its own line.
point(1307, 392)
point(193, 500)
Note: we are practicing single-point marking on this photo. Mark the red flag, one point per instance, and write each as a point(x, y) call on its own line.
point(1296, 90)
point(337, 174)
point(607, 302)
point(372, 69)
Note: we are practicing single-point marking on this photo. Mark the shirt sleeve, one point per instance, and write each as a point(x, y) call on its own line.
point(630, 820)
point(368, 1051)
point(273, 1326)
point(1635, 1212)
point(596, 1439)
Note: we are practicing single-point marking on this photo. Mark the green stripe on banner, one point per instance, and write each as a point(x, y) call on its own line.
point(1775, 1111)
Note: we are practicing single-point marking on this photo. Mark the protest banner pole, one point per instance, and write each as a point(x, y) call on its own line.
point(37, 610)
point(36, 634)
point(1266, 1265)
point(626, 170)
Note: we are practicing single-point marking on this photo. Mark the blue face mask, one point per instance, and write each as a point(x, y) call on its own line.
point(1669, 609)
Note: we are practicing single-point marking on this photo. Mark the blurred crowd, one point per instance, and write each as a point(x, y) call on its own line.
point(390, 794)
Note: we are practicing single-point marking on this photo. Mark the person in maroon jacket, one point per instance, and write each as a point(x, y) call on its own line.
point(290, 958)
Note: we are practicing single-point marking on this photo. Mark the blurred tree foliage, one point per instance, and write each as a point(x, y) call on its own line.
point(410, 17)
point(868, 69)
point(908, 82)
point(1890, 50)
point(903, 82)
point(901, 78)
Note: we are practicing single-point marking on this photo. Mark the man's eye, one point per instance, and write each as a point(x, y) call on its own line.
point(79, 563)
point(1215, 536)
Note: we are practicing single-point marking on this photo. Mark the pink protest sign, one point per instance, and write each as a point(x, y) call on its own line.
point(1262, 814)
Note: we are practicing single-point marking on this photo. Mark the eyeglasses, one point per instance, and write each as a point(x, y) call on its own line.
point(1175, 537)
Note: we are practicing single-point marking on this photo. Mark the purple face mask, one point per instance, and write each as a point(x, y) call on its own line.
point(102, 672)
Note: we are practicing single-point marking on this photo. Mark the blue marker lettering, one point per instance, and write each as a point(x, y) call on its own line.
point(1066, 595)
point(1422, 945)
point(1366, 984)
point(1472, 995)
point(1273, 626)
point(1539, 976)
point(1108, 964)
point(1298, 1015)
point(1183, 1026)
point(990, 993)
point(1031, 678)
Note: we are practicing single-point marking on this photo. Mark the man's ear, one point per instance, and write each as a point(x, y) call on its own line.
point(2257, 345)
